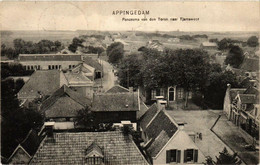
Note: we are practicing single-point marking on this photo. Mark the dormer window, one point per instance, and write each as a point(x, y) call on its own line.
point(94, 155)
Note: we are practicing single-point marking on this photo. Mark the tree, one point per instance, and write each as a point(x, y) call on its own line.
point(115, 52)
point(235, 57)
point(191, 70)
point(86, 118)
point(75, 43)
point(252, 41)
point(223, 44)
point(16, 122)
point(129, 71)
point(226, 158)
point(216, 88)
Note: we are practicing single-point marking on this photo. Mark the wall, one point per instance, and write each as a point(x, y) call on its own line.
point(44, 64)
point(226, 105)
point(181, 141)
point(115, 117)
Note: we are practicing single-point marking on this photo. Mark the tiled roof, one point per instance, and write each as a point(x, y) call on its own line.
point(115, 102)
point(158, 144)
point(117, 89)
point(77, 78)
point(247, 98)
point(70, 148)
point(250, 64)
point(159, 130)
point(64, 103)
point(156, 126)
point(49, 57)
point(93, 63)
point(235, 91)
point(81, 67)
point(43, 81)
point(147, 117)
point(31, 142)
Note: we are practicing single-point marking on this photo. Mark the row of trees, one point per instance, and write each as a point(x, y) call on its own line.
point(188, 68)
point(13, 70)
point(227, 43)
point(78, 43)
point(28, 47)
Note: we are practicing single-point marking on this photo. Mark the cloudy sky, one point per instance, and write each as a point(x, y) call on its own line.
point(213, 16)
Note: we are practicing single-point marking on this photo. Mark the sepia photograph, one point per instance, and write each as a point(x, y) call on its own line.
point(129, 83)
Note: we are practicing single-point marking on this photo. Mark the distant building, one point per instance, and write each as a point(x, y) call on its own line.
point(49, 61)
point(250, 64)
point(176, 40)
point(111, 147)
point(208, 45)
point(155, 44)
point(117, 89)
point(165, 141)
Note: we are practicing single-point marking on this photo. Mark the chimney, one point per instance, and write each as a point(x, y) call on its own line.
point(228, 86)
point(161, 103)
point(49, 126)
point(131, 89)
point(181, 125)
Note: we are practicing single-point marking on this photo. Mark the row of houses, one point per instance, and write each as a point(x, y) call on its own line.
point(241, 105)
point(164, 140)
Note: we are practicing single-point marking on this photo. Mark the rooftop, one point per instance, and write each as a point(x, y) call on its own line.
point(93, 63)
point(41, 81)
point(157, 133)
point(117, 89)
point(210, 44)
point(49, 57)
point(250, 64)
point(64, 102)
point(71, 148)
point(116, 102)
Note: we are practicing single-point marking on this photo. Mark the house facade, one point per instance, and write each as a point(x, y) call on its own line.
point(165, 141)
point(172, 94)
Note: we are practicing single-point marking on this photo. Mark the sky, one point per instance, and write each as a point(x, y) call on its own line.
point(213, 16)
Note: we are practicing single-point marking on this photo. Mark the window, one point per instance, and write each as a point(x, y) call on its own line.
point(161, 92)
point(49, 67)
point(180, 93)
point(173, 156)
point(190, 155)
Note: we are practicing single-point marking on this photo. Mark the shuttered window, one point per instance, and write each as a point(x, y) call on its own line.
point(190, 155)
point(173, 156)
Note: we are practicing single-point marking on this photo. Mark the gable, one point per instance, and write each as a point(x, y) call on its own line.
point(19, 157)
point(117, 89)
